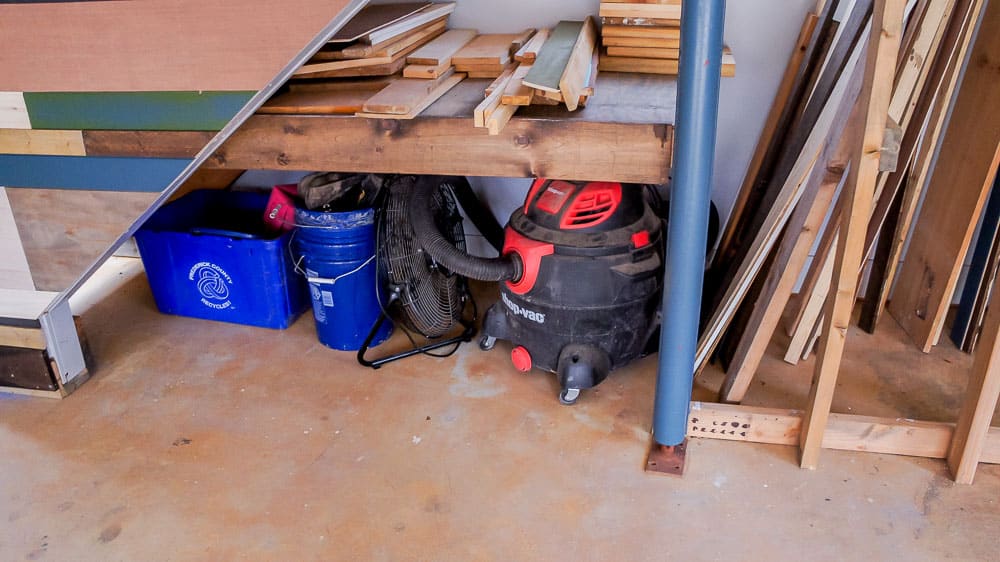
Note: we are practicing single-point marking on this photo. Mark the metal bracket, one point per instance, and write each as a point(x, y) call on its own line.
point(666, 459)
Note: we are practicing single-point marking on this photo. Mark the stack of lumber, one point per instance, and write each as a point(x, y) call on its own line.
point(377, 40)
point(557, 66)
point(645, 37)
point(487, 56)
point(791, 204)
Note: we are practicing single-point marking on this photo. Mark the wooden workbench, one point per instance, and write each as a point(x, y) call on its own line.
point(624, 134)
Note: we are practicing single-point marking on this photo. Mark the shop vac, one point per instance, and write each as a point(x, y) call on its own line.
point(581, 278)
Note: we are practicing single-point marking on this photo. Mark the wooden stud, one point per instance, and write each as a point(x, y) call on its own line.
point(576, 74)
point(529, 50)
point(883, 47)
point(441, 49)
point(418, 106)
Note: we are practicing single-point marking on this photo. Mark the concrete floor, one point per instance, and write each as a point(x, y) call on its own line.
point(204, 441)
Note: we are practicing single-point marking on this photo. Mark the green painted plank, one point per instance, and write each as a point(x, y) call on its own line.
point(89, 172)
point(137, 111)
point(552, 58)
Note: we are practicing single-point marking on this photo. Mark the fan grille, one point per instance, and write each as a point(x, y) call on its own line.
point(431, 298)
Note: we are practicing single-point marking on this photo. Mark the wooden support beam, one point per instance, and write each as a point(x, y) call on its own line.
point(846, 432)
point(957, 190)
point(883, 47)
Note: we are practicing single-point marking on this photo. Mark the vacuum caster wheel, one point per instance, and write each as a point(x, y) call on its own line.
point(486, 343)
point(568, 396)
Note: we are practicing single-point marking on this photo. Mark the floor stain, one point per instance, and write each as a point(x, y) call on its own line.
point(110, 533)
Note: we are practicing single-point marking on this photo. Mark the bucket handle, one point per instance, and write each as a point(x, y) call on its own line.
point(327, 280)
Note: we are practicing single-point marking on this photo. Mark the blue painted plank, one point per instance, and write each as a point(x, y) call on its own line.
point(89, 172)
point(976, 278)
point(135, 111)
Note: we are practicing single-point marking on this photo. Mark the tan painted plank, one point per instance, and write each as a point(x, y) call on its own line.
point(42, 141)
point(440, 50)
point(859, 189)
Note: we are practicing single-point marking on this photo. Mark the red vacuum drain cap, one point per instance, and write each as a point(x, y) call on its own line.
point(521, 359)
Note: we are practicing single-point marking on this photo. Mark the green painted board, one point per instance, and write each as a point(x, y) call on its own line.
point(552, 58)
point(135, 111)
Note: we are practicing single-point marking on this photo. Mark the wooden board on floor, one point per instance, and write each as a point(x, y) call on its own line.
point(441, 49)
point(552, 59)
point(404, 95)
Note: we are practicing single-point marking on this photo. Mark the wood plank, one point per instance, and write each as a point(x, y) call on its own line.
point(428, 14)
point(847, 432)
point(979, 282)
point(768, 132)
point(312, 70)
point(500, 81)
point(551, 62)
point(800, 234)
point(419, 36)
point(16, 336)
point(576, 74)
point(529, 51)
point(373, 17)
point(499, 118)
point(417, 106)
point(24, 304)
point(955, 194)
point(403, 95)
point(134, 46)
point(362, 71)
point(983, 390)
point(652, 42)
point(440, 50)
point(883, 48)
point(38, 141)
point(830, 123)
point(643, 22)
point(426, 72)
point(804, 329)
point(14, 270)
point(959, 39)
point(516, 93)
point(653, 66)
point(156, 111)
point(63, 231)
point(639, 31)
point(659, 11)
point(521, 40)
point(494, 99)
point(634, 153)
point(345, 98)
point(644, 52)
point(145, 144)
point(13, 111)
point(90, 172)
point(484, 73)
point(485, 49)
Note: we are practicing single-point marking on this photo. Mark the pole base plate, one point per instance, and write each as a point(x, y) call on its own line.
point(667, 459)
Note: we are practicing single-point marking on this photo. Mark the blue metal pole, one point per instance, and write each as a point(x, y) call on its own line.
point(694, 155)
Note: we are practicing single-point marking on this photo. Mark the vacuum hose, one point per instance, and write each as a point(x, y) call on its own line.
point(444, 252)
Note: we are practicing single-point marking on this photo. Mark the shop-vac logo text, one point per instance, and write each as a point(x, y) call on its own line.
point(518, 311)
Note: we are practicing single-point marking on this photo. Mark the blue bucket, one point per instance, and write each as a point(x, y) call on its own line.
point(336, 252)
